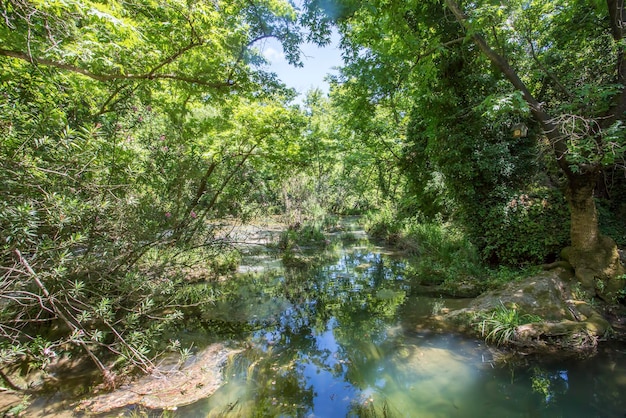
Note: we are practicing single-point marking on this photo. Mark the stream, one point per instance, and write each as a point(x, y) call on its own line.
point(351, 338)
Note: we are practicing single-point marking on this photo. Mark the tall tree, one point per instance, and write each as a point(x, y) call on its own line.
point(564, 60)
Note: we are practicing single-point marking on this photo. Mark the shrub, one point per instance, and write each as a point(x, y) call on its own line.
point(525, 229)
point(384, 224)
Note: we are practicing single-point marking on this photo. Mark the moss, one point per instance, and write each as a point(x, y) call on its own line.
point(566, 326)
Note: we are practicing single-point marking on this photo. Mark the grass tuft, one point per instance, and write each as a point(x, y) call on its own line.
point(500, 325)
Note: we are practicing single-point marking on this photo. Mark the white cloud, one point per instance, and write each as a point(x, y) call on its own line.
point(273, 55)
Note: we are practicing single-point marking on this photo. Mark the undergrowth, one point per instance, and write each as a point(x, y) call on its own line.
point(441, 252)
point(500, 325)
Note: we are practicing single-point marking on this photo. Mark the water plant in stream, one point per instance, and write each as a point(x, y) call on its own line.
point(500, 325)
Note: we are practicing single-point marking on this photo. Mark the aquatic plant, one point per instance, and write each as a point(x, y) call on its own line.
point(540, 383)
point(369, 409)
point(500, 325)
point(549, 384)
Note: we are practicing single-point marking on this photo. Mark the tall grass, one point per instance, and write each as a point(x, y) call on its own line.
point(442, 253)
point(500, 325)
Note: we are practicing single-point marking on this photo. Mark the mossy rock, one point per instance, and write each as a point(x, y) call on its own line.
point(599, 271)
point(565, 323)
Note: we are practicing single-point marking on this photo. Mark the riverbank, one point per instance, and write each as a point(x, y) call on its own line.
point(359, 309)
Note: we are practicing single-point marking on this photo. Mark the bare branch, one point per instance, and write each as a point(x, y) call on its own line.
point(105, 372)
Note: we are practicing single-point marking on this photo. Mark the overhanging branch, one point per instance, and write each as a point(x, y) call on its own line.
point(547, 123)
point(151, 75)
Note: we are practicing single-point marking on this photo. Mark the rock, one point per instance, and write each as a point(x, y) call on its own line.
point(566, 323)
point(168, 389)
point(543, 295)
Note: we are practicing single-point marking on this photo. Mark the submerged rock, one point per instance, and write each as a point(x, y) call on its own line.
point(169, 388)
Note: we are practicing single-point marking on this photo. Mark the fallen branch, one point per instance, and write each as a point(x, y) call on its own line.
point(106, 373)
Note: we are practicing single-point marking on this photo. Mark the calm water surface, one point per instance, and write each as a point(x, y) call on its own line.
point(349, 339)
point(353, 338)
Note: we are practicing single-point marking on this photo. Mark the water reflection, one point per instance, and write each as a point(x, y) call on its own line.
point(343, 340)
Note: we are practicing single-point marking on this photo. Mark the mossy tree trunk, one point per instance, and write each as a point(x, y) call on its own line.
point(584, 231)
point(594, 256)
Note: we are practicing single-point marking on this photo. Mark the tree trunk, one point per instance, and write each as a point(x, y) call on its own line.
point(584, 232)
point(594, 256)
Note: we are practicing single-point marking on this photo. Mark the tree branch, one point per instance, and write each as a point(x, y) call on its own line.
point(219, 191)
point(547, 123)
point(105, 372)
point(151, 75)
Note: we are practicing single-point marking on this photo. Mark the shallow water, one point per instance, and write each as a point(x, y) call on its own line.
point(352, 338)
point(348, 340)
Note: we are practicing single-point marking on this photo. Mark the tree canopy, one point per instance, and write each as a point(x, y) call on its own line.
point(469, 73)
point(131, 133)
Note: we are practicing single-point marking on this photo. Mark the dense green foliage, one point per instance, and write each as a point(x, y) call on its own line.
point(441, 254)
point(458, 80)
point(487, 174)
point(123, 147)
point(134, 134)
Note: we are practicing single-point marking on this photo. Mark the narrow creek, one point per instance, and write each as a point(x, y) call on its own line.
point(352, 338)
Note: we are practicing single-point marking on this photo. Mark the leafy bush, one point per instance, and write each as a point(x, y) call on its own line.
point(526, 229)
point(486, 177)
point(439, 240)
point(442, 253)
point(100, 223)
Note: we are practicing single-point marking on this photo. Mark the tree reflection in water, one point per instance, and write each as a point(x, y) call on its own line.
point(340, 340)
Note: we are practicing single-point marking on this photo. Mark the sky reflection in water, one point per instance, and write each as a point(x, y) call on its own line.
point(344, 341)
